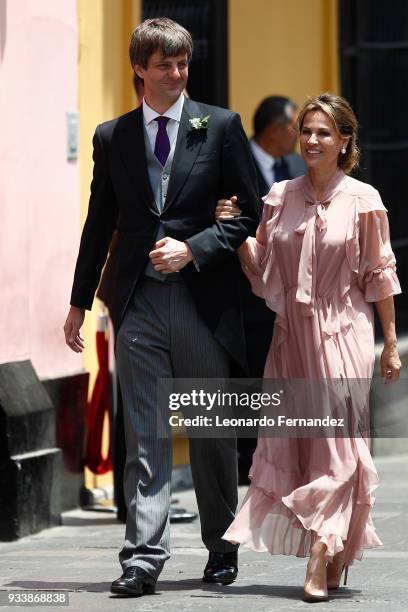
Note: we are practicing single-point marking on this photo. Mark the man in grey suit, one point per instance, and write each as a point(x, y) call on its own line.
point(158, 173)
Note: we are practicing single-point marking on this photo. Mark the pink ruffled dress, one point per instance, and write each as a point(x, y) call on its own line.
point(319, 266)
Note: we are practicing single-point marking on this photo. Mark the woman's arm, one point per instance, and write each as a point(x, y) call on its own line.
point(390, 361)
point(228, 209)
point(246, 257)
point(377, 276)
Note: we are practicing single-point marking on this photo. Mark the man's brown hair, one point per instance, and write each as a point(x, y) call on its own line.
point(159, 34)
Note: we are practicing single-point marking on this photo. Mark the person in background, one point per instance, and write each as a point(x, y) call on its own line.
point(274, 141)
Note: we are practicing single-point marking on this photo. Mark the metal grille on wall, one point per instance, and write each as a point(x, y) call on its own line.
point(207, 22)
point(374, 78)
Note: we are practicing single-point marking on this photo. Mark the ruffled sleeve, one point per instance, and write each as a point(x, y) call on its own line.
point(377, 265)
point(261, 247)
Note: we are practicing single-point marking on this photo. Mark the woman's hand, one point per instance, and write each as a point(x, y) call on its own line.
point(390, 361)
point(390, 364)
point(227, 209)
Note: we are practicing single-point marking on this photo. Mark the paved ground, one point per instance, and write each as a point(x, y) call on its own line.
point(80, 557)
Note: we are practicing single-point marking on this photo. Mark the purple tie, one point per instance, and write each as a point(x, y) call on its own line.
point(162, 146)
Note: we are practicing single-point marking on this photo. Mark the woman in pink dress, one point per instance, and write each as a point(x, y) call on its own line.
point(321, 257)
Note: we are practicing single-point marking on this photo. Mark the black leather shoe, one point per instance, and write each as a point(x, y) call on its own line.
point(134, 582)
point(221, 568)
point(181, 515)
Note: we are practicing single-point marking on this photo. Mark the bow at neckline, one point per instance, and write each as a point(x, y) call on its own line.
point(314, 216)
point(316, 210)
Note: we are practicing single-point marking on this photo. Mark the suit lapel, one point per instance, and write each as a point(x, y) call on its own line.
point(188, 145)
point(132, 148)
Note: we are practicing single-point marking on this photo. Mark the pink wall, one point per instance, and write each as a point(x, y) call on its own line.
point(39, 188)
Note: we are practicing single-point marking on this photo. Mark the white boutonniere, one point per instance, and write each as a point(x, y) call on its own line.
point(200, 123)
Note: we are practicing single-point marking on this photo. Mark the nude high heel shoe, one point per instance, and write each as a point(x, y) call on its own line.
point(315, 588)
point(334, 573)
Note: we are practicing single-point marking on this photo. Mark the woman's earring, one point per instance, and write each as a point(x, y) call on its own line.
point(343, 150)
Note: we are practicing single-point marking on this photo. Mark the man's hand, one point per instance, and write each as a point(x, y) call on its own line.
point(72, 326)
point(227, 209)
point(170, 255)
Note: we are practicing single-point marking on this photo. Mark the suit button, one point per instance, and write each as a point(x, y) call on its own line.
point(165, 177)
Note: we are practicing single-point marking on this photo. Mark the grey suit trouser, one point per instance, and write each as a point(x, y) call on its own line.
point(162, 336)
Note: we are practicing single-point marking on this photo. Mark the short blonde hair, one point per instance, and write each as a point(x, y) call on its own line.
point(344, 120)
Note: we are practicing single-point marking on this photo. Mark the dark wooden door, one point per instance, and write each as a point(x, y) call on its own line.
point(374, 78)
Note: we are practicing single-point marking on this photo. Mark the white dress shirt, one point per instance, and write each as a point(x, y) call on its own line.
point(264, 161)
point(174, 115)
